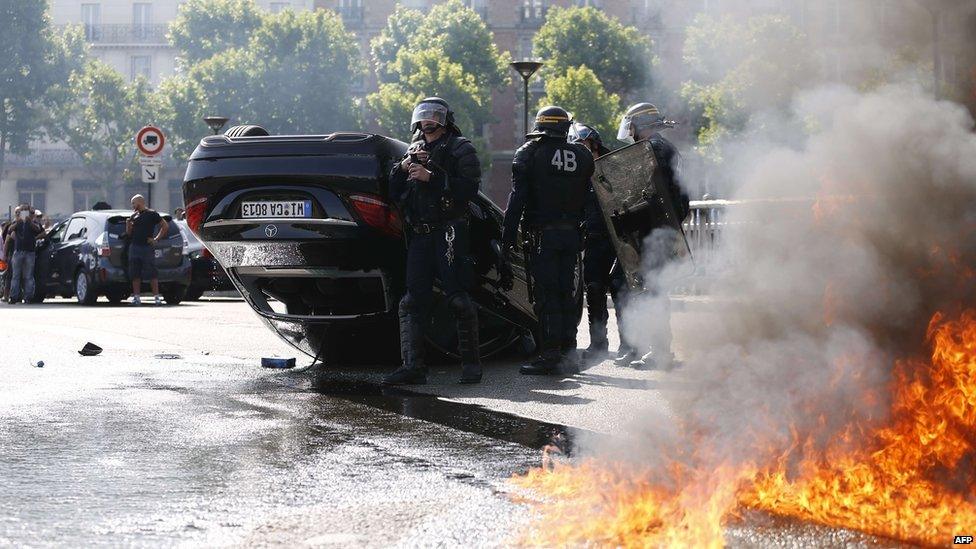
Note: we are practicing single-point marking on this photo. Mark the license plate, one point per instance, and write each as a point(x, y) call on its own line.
point(276, 209)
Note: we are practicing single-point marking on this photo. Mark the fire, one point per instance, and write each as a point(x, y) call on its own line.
point(912, 479)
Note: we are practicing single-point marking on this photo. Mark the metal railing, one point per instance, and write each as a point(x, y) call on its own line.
point(126, 34)
point(703, 229)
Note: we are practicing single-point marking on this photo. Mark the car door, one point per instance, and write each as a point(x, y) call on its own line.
point(44, 262)
point(64, 259)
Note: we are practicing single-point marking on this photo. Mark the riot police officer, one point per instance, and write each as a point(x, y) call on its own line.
point(643, 121)
point(598, 253)
point(432, 186)
point(550, 177)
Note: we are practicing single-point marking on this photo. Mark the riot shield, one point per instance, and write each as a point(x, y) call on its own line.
point(634, 204)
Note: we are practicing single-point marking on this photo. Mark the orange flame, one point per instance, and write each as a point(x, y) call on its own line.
point(913, 479)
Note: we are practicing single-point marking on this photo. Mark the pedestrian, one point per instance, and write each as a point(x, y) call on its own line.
point(643, 121)
point(550, 178)
point(598, 254)
point(432, 186)
point(25, 232)
point(6, 253)
point(145, 227)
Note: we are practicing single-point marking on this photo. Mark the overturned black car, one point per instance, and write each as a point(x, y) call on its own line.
point(303, 226)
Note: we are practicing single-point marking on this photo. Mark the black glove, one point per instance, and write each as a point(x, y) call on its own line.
point(506, 278)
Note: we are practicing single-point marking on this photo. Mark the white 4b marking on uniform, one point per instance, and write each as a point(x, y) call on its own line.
point(564, 160)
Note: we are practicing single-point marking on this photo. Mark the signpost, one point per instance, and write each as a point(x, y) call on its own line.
point(150, 141)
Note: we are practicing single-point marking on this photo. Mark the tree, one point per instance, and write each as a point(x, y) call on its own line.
point(427, 73)
point(580, 92)
point(452, 28)
point(401, 26)
point(741, 69)
point(100, 121)
point(35, 59)
point(619, 56)
point(295, 75)
point(204, 28)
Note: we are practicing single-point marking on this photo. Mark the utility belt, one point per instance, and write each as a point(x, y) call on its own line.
point(434, 226)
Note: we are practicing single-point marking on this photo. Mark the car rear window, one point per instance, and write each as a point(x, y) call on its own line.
point(115, 226)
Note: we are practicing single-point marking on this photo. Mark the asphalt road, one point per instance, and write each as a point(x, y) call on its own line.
point(175, 436)
point(209, 449)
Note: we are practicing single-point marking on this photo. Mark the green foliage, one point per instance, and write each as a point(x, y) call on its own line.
point(294, 76)
point(425, 73)
point(580, 92)
point(619, 56)
point(451, 28)
point(738, 69)
point(34, 60)
point(204, 28)
point(402, 25)
point(100, 120)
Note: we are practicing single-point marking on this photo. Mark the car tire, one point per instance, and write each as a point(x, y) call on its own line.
point(246, 130)
point(115, 296)
point(84, 289)
point(174, 294)
point(193, 294)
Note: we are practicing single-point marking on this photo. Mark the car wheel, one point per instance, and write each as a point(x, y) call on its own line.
point(114, 296)
point(174, 294)
point(193, 294)
point(84, 291)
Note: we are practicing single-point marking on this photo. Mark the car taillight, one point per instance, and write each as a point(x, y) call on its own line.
point(377, 214)
point(101, 244)
point(195, 211)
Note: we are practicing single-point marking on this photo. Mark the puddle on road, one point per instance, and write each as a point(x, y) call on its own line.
point(470, 418)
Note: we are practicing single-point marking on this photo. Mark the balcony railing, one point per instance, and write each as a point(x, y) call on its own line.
point(126, 34)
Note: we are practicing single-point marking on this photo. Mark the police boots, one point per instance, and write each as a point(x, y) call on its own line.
point(413, 371)
point(468, 345)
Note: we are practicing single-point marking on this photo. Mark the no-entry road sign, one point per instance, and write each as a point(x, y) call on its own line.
point(150, 140)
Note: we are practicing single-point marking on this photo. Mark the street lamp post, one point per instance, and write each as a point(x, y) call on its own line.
point(215, 123)
point(526, 69)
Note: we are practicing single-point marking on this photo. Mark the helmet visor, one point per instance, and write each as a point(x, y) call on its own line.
point(429, 112)
point(579, 133)
point(623, 132)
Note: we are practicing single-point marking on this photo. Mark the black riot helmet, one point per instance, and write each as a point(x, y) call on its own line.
point(639, 117)
point(578, 133)
point(552, 121)
point(432, 109)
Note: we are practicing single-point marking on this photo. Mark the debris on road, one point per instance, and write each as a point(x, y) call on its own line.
point(90, 349)
point(282, 363)
point(40, 364)
point(167, 356)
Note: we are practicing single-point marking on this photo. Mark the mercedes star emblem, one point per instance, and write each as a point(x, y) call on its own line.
point(270, 231)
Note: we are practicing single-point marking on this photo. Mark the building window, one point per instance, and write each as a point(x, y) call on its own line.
point(533, 10)
point(33, 192)
point(91, 15)
point(479, 6)
point(351, 11)
point(141, 66)
point(588, 3)
point(415, 4)
point(141, 19)
point(278, 7)
point(86, 194)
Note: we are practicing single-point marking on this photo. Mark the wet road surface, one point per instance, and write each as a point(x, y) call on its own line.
point(206, 449)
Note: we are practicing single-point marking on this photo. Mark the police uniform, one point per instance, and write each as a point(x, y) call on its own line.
point(641, 119)
point(598, 255)
point(435, 212)
point(550, 178)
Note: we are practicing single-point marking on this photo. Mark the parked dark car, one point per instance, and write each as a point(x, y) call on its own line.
point(86, 256)
point(305, 229)
point(206, 274)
